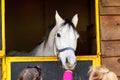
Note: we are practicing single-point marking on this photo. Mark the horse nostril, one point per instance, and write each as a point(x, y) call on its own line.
point(66, 60)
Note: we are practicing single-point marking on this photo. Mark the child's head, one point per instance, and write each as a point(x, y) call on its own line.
point(67, 75)
point(101, 73)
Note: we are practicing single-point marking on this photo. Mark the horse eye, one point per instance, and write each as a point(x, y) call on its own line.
point(58, 35)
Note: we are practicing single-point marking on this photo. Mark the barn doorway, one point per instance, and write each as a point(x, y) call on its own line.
point(26, 22)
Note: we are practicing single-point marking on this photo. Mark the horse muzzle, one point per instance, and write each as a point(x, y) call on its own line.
point(70, 64)
point(67, 58)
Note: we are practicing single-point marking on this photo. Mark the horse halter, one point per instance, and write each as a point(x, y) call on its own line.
point(64, 49)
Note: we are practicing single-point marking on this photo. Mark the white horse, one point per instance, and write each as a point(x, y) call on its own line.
point(60, 41)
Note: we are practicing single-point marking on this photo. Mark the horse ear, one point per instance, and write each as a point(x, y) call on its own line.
point(75, 20)
point(58, 19)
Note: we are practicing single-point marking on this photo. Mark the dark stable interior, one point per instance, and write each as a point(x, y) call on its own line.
point(26, 22)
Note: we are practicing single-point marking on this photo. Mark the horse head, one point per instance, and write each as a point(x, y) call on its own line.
point(65, 40)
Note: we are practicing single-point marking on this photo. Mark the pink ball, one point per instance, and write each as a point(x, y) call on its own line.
point(67, 75)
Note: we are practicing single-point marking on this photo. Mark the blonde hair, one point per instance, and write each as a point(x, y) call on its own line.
point(101, 73)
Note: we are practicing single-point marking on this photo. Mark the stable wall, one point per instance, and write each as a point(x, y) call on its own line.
point(110, 34)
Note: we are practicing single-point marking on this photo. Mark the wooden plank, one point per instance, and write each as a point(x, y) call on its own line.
point(107, 9)
point(110, 27)
point(113, 64)
point(110, 48)
point(110, 2)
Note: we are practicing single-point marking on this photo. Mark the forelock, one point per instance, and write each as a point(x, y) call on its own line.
point(69, 22)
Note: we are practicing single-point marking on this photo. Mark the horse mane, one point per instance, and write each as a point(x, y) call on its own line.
point(45, 38)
